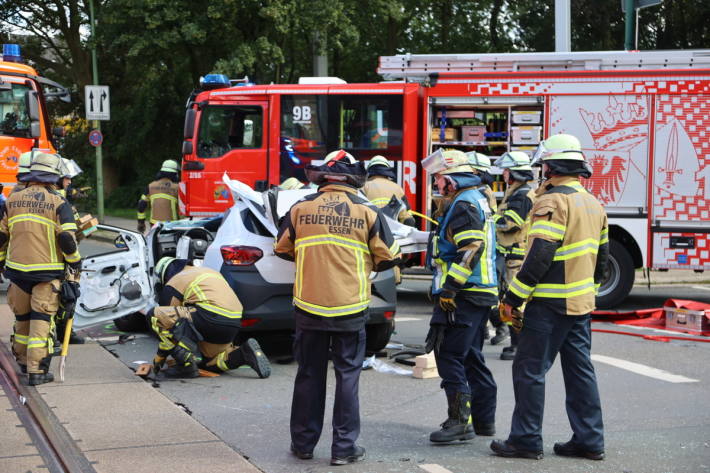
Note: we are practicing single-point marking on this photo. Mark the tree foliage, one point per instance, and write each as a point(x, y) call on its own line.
point(152, 52)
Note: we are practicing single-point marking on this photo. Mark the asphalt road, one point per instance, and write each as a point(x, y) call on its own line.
point(651, 425)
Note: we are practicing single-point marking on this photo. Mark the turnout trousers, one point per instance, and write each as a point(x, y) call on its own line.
point(545, 334)
point(311, 349)
point(460, 361)
point(34, 304)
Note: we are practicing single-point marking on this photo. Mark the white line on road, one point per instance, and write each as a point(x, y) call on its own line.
point(434, 468)
point(405, 319)
point(643, 369)
point(704, 288)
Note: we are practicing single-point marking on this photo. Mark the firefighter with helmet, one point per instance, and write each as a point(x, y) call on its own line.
point(511, 232)
point(161, 196)
point(381, 188)
point(291, 183)
point(336, 239)
point(197, 320)
point(481, 165)
point(565, 260)
point(464, 288)
point(36, 243)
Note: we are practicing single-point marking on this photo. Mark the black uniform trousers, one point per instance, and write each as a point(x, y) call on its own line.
point(460, 361)
point(545, 334)
point(311, 349)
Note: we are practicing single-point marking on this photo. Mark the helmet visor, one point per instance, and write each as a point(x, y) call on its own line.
point(435, 162)
point(504, 161)
point(69, 168)
point(542, 153)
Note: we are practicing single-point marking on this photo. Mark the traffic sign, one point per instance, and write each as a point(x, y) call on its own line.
point(96, 138)
point(97, 100)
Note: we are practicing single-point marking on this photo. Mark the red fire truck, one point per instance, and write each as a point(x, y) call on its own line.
point(24, 122)
point(642, 118)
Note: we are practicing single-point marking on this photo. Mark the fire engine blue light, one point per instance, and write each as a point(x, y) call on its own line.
point(11, 53)
point(213, 81)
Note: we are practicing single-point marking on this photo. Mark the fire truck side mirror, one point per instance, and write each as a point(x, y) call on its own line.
point(32, 103)
point(189, 129)
point(186, 147)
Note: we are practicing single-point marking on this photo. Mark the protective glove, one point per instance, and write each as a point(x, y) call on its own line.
point(141, 226)
point(158, 362)
point(446, 301)
point(434, 338)
point(517, 320)
point(511, 316)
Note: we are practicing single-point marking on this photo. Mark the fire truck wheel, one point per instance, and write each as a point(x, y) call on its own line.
point(378, 336)
point(619, 277)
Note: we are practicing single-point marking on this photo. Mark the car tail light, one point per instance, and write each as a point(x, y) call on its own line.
point(237, 255)
point(389, 314)
point(250, 322)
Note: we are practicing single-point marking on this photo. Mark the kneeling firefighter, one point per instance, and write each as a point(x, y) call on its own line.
point(198, 318)
point(464, 288)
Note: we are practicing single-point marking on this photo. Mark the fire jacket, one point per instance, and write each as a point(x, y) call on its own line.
point(462, 252)
point(487, 192)
point(510, 220)
point(336, 239)
point(568, 248)
point(37, 234)
point(379, 190)
point(162, 197)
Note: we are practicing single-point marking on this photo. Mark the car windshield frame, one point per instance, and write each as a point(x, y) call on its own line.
point(14, 116)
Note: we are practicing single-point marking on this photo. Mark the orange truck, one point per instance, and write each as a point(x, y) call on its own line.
point(24, 121)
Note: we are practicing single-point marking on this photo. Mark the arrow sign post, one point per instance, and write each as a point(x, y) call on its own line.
point(98, 106)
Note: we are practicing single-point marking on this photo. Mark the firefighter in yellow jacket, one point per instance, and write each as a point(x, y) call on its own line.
point(512, 231)
point(161, 196)
point(381, 187)
point(336, 239)
point(565, 260)
point(36, 242)
point(198, 318)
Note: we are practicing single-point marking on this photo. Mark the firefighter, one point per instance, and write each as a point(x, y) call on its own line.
point(336, 239)
point(196, 321)
point(36, 242)
point(161, 196)
point(464, 288)
point(66, 189)
point(565, 260)
point(381, 187)
point(511, 231)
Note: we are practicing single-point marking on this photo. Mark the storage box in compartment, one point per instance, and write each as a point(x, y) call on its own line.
point(473, 133)
point(526, 117)
point(449, 134)
point(685, 320)
point(529, 150)
point(457, 114)
point(526, 135)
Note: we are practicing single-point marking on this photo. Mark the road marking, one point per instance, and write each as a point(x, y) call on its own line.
point(704, 288)
point(405, 319)
point(643, 369)
point(434, 468)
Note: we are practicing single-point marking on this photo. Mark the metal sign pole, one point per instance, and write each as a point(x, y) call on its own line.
point(97, 124)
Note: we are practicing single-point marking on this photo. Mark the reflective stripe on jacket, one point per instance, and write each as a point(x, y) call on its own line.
point(336, 239)
point(511, 218)
point(162, 197)
point(205, 288)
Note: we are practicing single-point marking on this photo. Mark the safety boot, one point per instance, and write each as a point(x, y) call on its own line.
point(185, 364)
point(255, 358)
point(509, 353)
point(501, 334)
point(458, 426)
point(35, 379)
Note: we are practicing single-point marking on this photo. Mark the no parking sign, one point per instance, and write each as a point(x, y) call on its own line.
point(96, 138)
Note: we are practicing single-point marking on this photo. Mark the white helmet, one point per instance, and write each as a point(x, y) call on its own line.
point(339, 154)
point(446, 162)
point(514, 160)
point(479, 161)
point(560, 146)
point(291, 184)
point(378, 161)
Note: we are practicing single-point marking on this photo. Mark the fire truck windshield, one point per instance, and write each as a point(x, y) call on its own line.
point(224, 128)
point(14, 119)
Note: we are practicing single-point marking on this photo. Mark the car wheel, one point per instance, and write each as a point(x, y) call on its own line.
point(378, 336)
point(135, 322)
point(619, 277)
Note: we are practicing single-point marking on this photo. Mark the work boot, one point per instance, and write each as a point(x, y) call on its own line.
point(181, 371)
point(301, 455)
point(571, 449)
point(504, 449)
point(484, 429)
point(255, 358)
point(508, 353)
point(501, 334)
point(458, 426)
point(35, 379)
point(357, 455)
point(75, 339)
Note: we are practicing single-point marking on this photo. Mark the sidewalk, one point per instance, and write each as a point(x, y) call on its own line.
point(119, 422)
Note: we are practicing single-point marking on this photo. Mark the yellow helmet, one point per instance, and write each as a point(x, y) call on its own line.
point(446, 162)
point(479, 161)
point(514, 160)
point(170, 165)
point(46, 162)
point(560, 146)
point(24, 162)
point(378, 161)
point(161, 266)
point(291, 184)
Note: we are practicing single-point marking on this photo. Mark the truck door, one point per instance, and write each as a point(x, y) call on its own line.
point(232, 139)
point(114, 278)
